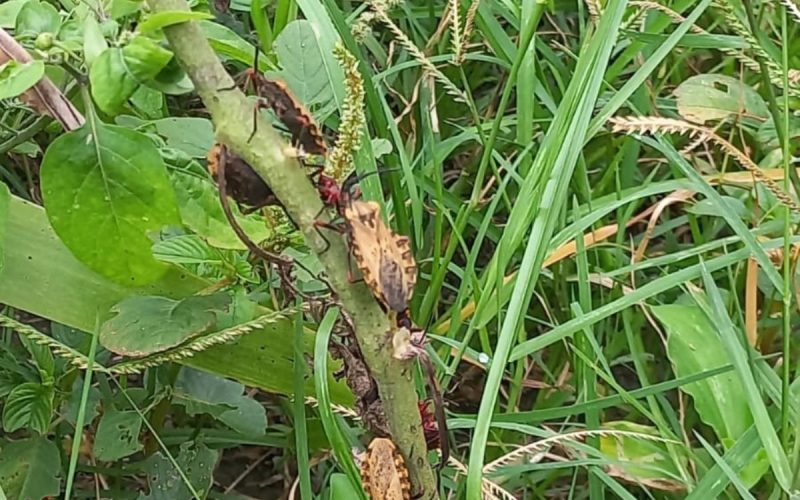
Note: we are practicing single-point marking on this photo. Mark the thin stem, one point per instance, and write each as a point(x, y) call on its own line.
point(783, 134)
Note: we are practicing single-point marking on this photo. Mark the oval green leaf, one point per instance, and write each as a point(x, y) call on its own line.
point(713, 97)
point(17, 77)
point(105, 189)
point(144, 58)
point(94, 43)
point(111, 83)
point(37, 17)
point(30, 406)
point(693, 346)
point(117, 435)
point(147, 325)
point(300, 55)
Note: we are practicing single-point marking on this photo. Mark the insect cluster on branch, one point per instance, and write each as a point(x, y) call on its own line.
point(384, 260)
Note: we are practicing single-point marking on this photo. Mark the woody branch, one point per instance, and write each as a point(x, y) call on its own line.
point(267, 153)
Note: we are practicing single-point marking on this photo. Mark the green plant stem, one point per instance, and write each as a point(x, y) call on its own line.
point(269, 155)
point(783, 128)
point(24, 135)
point(80, 421)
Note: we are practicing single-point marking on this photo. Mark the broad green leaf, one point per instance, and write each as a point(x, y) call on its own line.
point(226, 42)
point(148, 101)
point(144, 58)
point(71, 35)
point(193, 136)
point(146, 325)
point(4, 203)
point(42, 277)
point(186, 249)
point(201, 212)
point(29, 405)
point(117, 435)
point(72, 404)
point(29, 468)
point(106, 189)
point(122, 8)
point(195, 460)
point(37, 17)
point(637, 459)
point(9, 11)
point(713, 97)
point(730, 337)
point(111, 83)
point(202, 392)
point(16, 77)
point(160, 20)
point(693, 346)
point(172, 80)
point(299, 53)
point(94, 43)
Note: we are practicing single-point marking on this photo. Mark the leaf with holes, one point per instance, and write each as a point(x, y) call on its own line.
point(29, 405)
point(298, 50)
point(165, 481)
point(712, 97)
point(29, 468)
point(147, 325)
point(105, 190)
point(117, 435)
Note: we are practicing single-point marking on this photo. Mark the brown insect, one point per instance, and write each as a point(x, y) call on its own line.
point(242, 182)
point(301, 125)
point(384, 473)
point(383, 257)
point(275, 95)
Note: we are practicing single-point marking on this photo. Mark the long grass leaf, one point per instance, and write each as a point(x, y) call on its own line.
point(558, 158)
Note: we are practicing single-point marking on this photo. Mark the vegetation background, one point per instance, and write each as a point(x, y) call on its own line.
point(601, 199)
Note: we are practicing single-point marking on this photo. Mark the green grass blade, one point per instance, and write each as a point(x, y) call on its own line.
point(79, 422)
point(717, 314)
point(557, 157)
point(300, 428)
point(341, 450)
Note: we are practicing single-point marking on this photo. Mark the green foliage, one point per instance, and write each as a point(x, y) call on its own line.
point(166, 482)
point(555, 251)
point(16, 78)
point(117, 435)
point(28, 405)
point(148, 325)
point(202, 393)
point(29, 468)
point(105, 189)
